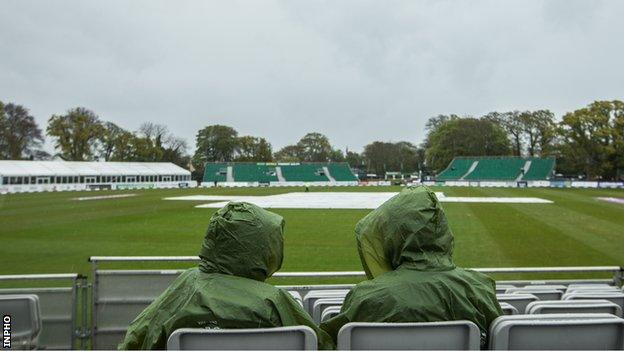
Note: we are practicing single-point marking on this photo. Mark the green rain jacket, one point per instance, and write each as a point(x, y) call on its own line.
point(405, 246)
point(243, 246)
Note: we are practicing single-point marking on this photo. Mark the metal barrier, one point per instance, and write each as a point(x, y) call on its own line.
point(64, 323)
point(119, 295)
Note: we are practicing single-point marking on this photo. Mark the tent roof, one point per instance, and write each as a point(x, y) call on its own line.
point(74, 168)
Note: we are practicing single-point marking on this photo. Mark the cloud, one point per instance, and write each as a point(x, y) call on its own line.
point(357, 71)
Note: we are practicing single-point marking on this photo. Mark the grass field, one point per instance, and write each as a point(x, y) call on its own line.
point(51, 233)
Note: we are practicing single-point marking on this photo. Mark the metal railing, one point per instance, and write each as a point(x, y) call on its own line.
point(118, 295)
point(63, 308)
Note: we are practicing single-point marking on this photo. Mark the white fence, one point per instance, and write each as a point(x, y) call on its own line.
point(37, 188)
point(529, 184)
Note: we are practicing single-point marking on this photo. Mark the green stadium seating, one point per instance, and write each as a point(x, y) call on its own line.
point(267, 172)
point(310, 172)
point(498, 169)
point(341, 172)
point(504, 168)
point(215, 172)
point(252, 172)
point(541, 169)
point(456, 169)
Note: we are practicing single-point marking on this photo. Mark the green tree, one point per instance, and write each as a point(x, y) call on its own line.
point(253, 149)
point(76, 133)
point(109, 143)
point(215, 143)
point(166, 147)
point(592, 139)
point(20, 136)
point(464, 137)
point(354, 160)
point(512, 123)
point(314, 147)
point(540, 130)
point(123, 148)
point(381, 157)
point(289, 153)
point(336, 155)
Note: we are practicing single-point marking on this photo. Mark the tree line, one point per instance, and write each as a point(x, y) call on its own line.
point(587, 142)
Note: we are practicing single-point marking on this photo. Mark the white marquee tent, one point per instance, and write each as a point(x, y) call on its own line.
point(18, 176)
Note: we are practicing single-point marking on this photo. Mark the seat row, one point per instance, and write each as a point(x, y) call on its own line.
point(536, 299)
point(528, 332)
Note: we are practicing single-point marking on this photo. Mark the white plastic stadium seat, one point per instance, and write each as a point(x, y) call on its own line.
point(296, 296)
point(25, 319)
point(282, 338)
point(615, 297)
point(507, 308)
point(313, 295)
point(321, 304)
point(545, 286)
point(574, 306)
point(519, 301)
point(501, 288)
point(570, 331)
point(593, 289)
point(589, 285)
point(330, 312)
point(540, 293)
point(454, 335)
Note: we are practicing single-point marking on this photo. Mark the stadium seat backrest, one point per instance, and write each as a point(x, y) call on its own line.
point(557, 332)
point(590, 285)
point(574, 306)
point(282, 338)
point(25, 319)
point(615, 297)
point(541, 293)
point(330, 312)
point(501, 288)
point(296, 296)
point(312, 296)
point(321, 304)
point(508, 309)
point(519, 301)
point(592, 289)
point(453, 335)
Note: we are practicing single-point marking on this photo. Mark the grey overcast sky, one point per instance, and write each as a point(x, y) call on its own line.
point(357, 71)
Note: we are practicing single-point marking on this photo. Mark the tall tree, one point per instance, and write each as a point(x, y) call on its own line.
point(289, 153)
point(215, 143)
point(76, 133)
point(511, 122)
point(109, 140)
point(314, 147)
point(336, 155)
point(592, 138)
point(464, 137)
point(154, 142)
point(253, 149)
point(354, 160)
point(20, 136)
point(381, 157)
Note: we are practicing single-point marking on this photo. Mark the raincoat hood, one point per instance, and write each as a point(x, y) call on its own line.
point(243, 240)
point(409, 230)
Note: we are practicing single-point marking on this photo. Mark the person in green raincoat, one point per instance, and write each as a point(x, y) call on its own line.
point(243, 246)
point(406, 249)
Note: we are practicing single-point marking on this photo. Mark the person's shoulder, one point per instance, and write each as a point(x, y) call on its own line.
point(476, 277)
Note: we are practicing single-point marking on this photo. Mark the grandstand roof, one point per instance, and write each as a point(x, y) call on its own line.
point(72, 168)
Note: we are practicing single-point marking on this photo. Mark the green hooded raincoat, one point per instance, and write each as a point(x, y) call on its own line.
point(243, 246)
point(405, 246)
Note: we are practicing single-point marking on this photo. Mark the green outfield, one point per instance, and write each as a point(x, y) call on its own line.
point(51, 233)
